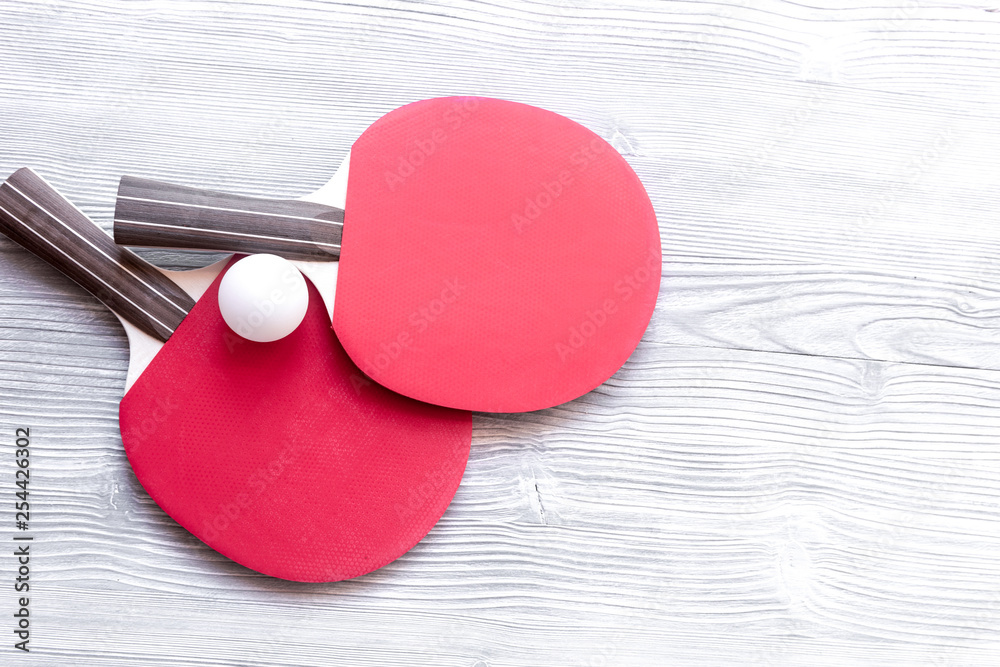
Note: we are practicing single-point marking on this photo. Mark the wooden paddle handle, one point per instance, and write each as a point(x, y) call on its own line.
point(154, 214)
point(34, 215)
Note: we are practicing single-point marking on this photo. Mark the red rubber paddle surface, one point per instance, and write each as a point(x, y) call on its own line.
point(282, 456)
point(495, 256)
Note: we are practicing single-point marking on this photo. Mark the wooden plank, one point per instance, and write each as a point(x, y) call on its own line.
point(828, 310)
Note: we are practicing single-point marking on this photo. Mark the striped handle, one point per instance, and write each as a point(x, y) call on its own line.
point(34, 215)
point(154, 214)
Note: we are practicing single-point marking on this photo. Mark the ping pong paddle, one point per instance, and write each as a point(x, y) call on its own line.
point(493, 256)
point(281, 456)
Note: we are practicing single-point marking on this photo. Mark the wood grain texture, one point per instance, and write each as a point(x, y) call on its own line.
point(156, 214)
point(799, 464)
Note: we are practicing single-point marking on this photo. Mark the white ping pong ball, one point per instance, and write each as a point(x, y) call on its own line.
point(263, 298)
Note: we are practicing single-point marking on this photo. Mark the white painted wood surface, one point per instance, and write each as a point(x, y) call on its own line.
point(799, 465)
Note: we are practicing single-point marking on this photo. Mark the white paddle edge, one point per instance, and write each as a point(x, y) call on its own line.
point(324, 274)
point(142, 346)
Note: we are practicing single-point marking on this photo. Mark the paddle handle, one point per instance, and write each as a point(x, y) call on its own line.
point(37, 217)
point(155, 214)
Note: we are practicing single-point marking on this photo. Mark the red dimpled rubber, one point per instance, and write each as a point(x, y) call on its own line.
point(495, 257)
point(283, 456)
